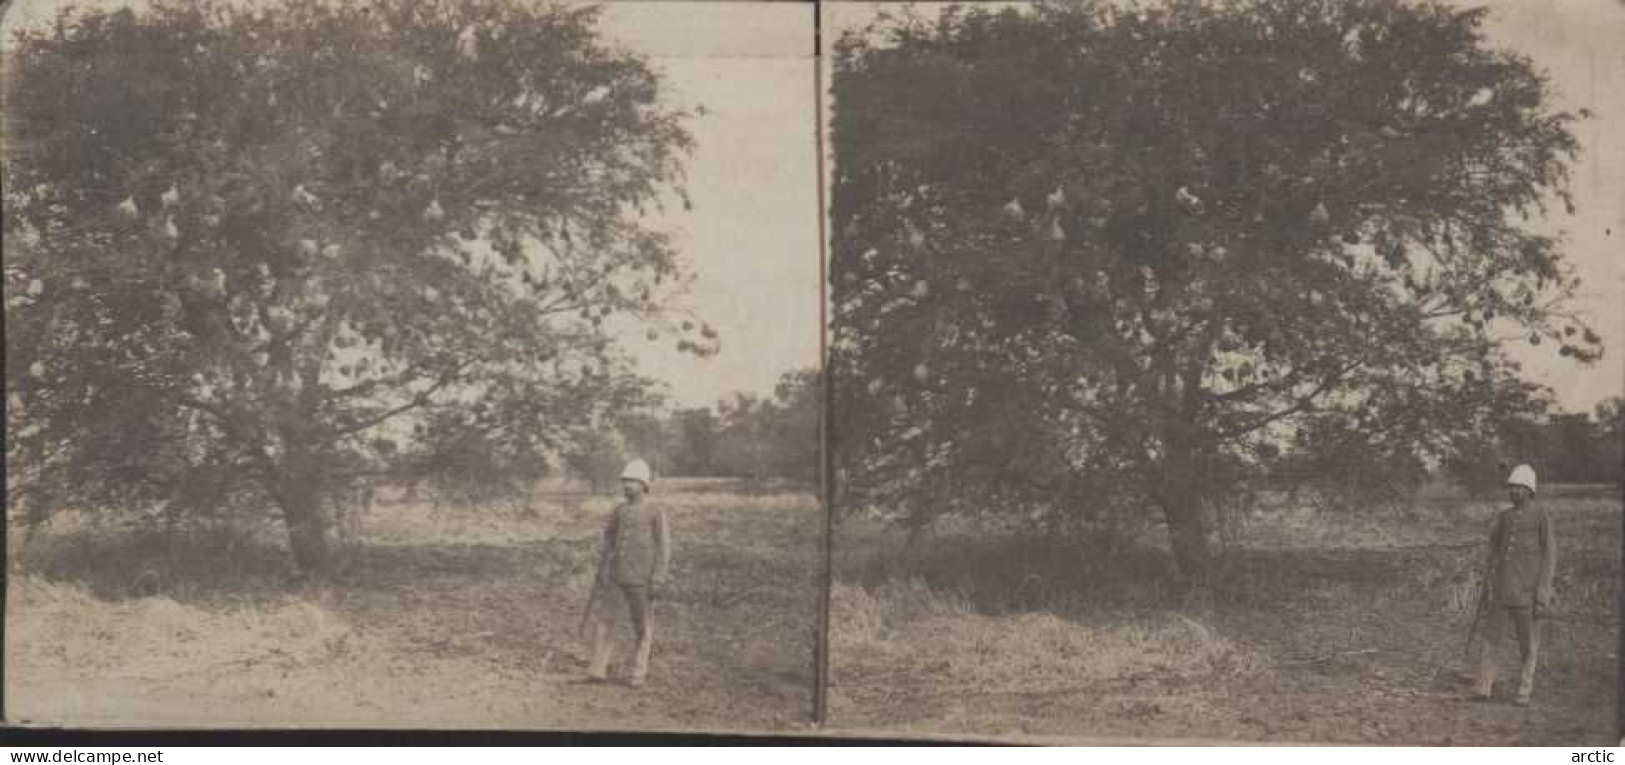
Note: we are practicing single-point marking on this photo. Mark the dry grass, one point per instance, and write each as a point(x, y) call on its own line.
point(76, 659)
point(156, 637)
point(228, 559)
point(1009, 574)
point(441, 617)
point(1318, 626)
point(916, 629)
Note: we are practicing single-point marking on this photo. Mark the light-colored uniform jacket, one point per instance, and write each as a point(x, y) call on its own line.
point(637, 544)
point(1523, 556)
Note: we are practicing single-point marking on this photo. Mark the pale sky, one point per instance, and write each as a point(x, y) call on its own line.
point(1581, 44)
point(752, 237)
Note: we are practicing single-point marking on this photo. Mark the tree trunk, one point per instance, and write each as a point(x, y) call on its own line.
point(1188, 534)
point(301, 501)
point(307, 538)
point(1180, 494)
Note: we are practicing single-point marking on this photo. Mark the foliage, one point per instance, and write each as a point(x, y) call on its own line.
point(257, 254)
point(1083, 253)
point(696, 437)
point(1563, 448)
point(598, 459)
point(1343, 470)
point(775, 437)
point(1610, 438)
point(743, 436)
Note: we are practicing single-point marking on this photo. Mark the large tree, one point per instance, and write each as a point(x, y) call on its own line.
point(1091, 263)
point(256, 253)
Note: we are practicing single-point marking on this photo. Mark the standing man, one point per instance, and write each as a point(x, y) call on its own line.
point(636, 552)
point(1517, 582)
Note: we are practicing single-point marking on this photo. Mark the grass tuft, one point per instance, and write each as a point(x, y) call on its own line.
point(919, 632)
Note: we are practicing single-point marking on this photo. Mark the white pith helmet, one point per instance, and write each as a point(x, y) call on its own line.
point(1524, 476)
point(638, 470)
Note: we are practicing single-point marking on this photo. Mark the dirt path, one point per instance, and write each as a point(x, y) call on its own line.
point(431, 633)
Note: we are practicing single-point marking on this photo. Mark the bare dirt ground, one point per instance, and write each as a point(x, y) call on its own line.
point(1321, 628)
point(443, 618)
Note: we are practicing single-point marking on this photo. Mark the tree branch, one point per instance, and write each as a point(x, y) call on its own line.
point(234, 431)
point(418, 400)
point(1286, 381)
point(1297, 407)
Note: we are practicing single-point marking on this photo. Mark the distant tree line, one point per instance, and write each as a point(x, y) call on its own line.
point(757, 438)
point(1570, 447)
point(1563, 447)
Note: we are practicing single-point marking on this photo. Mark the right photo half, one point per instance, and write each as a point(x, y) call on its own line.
point(1239, 371)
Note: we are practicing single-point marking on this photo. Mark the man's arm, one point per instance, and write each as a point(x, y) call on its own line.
point(607, 547)
point(1548, 558)
point(663, 544)
point(1495, 549)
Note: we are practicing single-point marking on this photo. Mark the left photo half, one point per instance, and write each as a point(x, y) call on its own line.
point(403, 364)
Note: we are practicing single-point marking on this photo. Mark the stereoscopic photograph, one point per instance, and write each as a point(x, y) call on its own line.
point(1183, 371)
point(1226, 371)
point(411, 365)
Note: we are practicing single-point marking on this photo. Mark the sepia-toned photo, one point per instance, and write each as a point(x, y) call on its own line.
point(1183, 371)
point(411, 365)
point(1226, 371)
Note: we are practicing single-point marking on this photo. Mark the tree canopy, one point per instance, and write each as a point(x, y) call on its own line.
point(254, 254)
point(1092, 263)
